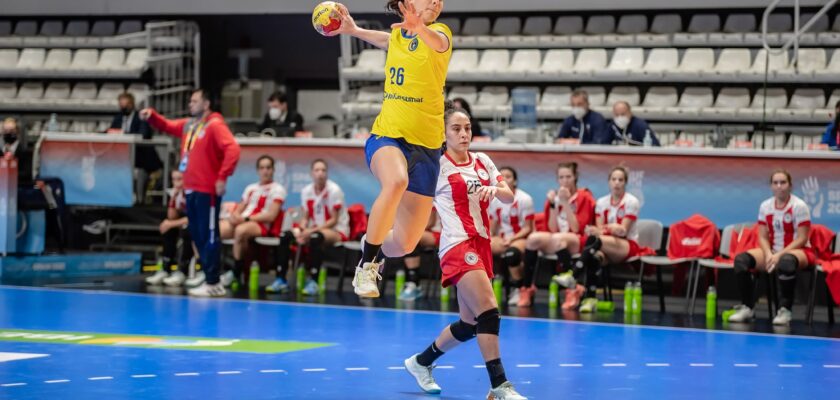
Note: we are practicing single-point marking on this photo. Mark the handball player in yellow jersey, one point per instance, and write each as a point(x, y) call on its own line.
point(403, 151)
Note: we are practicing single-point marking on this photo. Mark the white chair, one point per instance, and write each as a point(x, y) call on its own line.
point(84, 62)
point(830, 39)
point(454, 24)
point(734, 28)
point(533, 28)
point(8, 61)
point(106, 99)
point(802, 140)
point(554, 102)
point(776, 99)
point(490, 100)
point(657, 100)
point(661, 30)
point(30, 94)
point(557, 63)
point(831, 73)
point(828, 112)
point(83, 94)
point(774, 63)
point(502, 28)
point(111, 60)
point(130, 26)
point(666, 139)
point(728, 102)
point(629, 94)
point(473, 27)
point(659, 63)
point(54, 32)
point(468, 93)
point(624, 61)
point(57, 61)
point(802, 105)
point(588, 61)
point(693, 99)
point(367, 102)
point(694, 62)
point(8, 92)
point(31, 59)
point(699, 28)
point(597, 95)
point(564, 28)
point(596, 27)
point(523, 63)
point(808, 62)
point(6, 38)
point(730, 63)
point(625, 33)
point(492, 62)
point(370, 64)
point(28, 32)
point(462, 63)
point(811, 37)
point(141, 93)
point(135, 62)
point(56, 93)
point(776, 24)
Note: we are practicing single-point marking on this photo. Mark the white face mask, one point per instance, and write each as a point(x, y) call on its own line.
point(274, 113)
point(622, 121)
point(578, 112)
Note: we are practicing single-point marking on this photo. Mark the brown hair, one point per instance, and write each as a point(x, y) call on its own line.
point(573, 166)
point(265, 157)
point(619, 168)
point(449, 112)
point(781, 171)
point(393, 6)
point(319, 160)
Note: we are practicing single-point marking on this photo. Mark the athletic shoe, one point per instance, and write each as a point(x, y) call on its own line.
point(573, 297)
point(176, 278)
point(423, 375)
point(742, 314)
point(514, 297)
point(365, 281)
point(783, 317)
point(411, 292)
point(505, 391)
point(589, 305)
point(227, 278)
point(157, 278)
point(566, 280)
point(311, 288)
point(278, 286)
point(526, 296)
point(195, 281)
point(207, 290)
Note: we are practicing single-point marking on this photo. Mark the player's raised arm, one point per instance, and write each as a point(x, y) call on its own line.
point(349, 27)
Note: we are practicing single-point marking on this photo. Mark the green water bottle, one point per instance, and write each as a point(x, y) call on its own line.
point(629, 291)
point(498, 290)
point(605, 306)
point(711, 303)
point(322, 280)
point(444, 295)
point(637, 298)
point(399, 280)
point(553, 294)
point(300, 278)
point(254, 276)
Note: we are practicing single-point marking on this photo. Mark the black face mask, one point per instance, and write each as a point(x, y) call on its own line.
point(126, 111)
point(10, 138)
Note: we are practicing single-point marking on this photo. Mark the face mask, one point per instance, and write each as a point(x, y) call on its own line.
point(578, 112)
point(10, 138)
point(126, 111)
point(622, 121)
point(274, 113)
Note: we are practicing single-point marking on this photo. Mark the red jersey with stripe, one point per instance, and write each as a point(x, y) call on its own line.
point(257, 198)
point(462, 215)
point(321, 206)
point(782, 222)
point(178, 201)
point(514, 216)
point(615, 213)
point(583, 205)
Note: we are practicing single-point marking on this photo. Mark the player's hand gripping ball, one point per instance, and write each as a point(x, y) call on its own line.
point(326, 18)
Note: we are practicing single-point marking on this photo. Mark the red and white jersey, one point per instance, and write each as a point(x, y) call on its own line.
point(514, 216)
point(462, 215)
point(627, 208)
point(582, 205)
point(437, 226)
point(782, 222)
point(177, 201)
point(320, 207)
point(257, 198)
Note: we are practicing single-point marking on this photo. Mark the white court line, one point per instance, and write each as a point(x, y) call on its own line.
point(701, 365)
point(445, 367)
point(571, 365)
point(831, 366)
point(479, 366)
point(746, 365)
point(357, 369)
point(658, 365)
point(101, 378)
point(272, 371)
point(13, 384)
point(527, 365)
point(58, 381)
point(187, 374)
point(144, 376)
point(314, 369)
point(614, 365)
point(396, 368)
point(790, 365)
point(229, 372)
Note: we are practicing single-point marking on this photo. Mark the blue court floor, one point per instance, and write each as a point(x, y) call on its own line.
point(362, 350)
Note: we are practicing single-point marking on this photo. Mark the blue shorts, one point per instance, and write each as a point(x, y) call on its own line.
point(423, 162)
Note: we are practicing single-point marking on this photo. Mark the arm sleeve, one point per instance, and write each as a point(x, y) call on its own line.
point(802, 215)
point(526, 209)
point(565, 130)
point(632, 208)
point(495, 175)
point(278, 194)
point(170, 127)
point(762, 216)
point(337, 198)
point(227, 145)
point(586, 213)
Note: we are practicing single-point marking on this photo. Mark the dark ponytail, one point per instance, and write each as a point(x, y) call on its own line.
point(393, 6)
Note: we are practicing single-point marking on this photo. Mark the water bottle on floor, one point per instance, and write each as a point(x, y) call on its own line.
point(399, 280)
point(553, 294)
point(629, 291)
point(322, 280)
point(711, 303)
point(254, 276)
point(497, 290)
point(637, 298)
point(300, 278)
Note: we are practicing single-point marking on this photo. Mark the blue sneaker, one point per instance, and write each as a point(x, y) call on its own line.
point(411, 292)
point(279, 286)
point(311, 288)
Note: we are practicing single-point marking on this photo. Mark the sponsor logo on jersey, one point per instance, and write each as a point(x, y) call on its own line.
point(413, 45)
point(471, 258)
point(483, 174)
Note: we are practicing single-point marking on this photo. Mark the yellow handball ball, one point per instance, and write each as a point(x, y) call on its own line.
point(325, 17)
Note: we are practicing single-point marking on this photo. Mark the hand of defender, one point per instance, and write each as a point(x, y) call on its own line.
point(486, 193)
point(348, 24)
point(145, 113)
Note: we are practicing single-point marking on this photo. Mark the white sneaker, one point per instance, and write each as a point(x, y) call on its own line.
point(195, 281)
point(505, 391)
point(422, 374)
point(365, 281)
point(514, 298)
point(176, 278)
point(157, 278)
point(783, 317)
point(742, 314)
point(227, 278)
point(206, 290)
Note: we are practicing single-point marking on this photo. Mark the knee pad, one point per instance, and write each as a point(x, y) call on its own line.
point(489, 322)
point(512, 257)
point(316, 240)
point(462, 331)
point(744, 262)
point(787, 266)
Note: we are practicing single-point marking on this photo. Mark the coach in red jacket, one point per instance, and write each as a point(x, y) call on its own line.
point(209, 155)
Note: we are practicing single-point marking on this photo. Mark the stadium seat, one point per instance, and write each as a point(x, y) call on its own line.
point(523, 63)
point(828, 113)
point(666, 139)
point(8, 61)
point(596, 27)
point(659, 62)
point(532, 30)
point(103, 28)
point(554, 102)
point(8, 93)
point(564, 28)
point(492, 62)
point(490, 100)
point(557, 63)
point(802, 105)
point(54, 32)
point(728, 102)
point(30, 94)
point(82, 95)
point(111, 59)
point(630, 94)
point(367, 102)
point(6, 38)
point(776, 99)
point(135, 61)
point(106, 99)
point(454, 25)
point(625, 33)
point(597, 95)
point(657, 100)
point(77, 28)
point(831, 73)
point(84, 62)
point(624, 61)
point(776, 24)
point(777, 61)
point(588, 61)
point(57, 61)
point(473, 26)
point(661, 30)
point(734, 28)
point(699, 28)
point(502, 28)
point(462, 63)
point(31, 59)
point(56, 93)
point(694, 62)
point(130, 26)
point(809, 62)
point(127, 28)
point(693, 99)
point(811, 37)
point(370, 64)
point(831, 38)
point(802, 140)
point(26, 28)
point(141, 92)
point(468, 93)
point(730, 63)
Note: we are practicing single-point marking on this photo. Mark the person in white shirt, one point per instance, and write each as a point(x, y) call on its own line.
point(260, 213)
point(784, 222)
point(326, 220)
point(466, 185)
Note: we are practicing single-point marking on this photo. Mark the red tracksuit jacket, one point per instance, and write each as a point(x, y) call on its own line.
point(214, 151)
point(695, 236)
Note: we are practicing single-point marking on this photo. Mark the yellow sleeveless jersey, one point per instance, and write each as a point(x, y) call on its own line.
point(415, 76)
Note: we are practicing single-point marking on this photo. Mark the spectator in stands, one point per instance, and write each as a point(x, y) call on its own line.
point(209, 155)
point(280, 118)
point(172, 228)
point(146, 159)
point(430, 239)
point(629, 130)
point(510, 225)
point(613, 238)
point(784, 228)
point(584, 124)
point(14, 145)
point(326, 220)
point(462, 104)
point(260, 213)
point(831, 137)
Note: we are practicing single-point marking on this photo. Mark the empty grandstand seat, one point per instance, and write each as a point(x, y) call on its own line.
point(777, 61)
point(54, 32)
point(728, 102)
point(661, 61)
point(776, 99)
point(55, 93)
point(734, 28)
point(693, 99)
point(370, 64)
point(29, 94)
point(802, 140)
point(667, 138)
point(776, 23)
point(657, 100)
point(468, 93)
point(810, 37)
point(130, 26)
point(8, 61)
point(564, 27)
point(523, 63)
point(661, 29)
point(454, 24)
point(831, 71)
point(630, 94)
point(624, 61)
point(589, 61)
point(533, 28)
point(699, 28)
point(473, 26)
point(554, 102)
point(557, 62)
point(103, 28)
point(502, 28)
point(597, 95)
point(694, 62)
point(368, 99)
point(141, 93)
point(492, 62)
point(8, 93)
point(77, 28)
point(462, 63)
point(57, 60)
point(31, 59)
point(490, 100)
point(26, 28)
point(135, 61)
point(809, 61)
point(84, 62)
point(730, 63)
point(802, 105)
point(828, 113)
point(625, 33)
point(596, 27)
point(106, 99)
point(111, 59)
point(83, 93)
point(831, 38)
point(6, 38)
